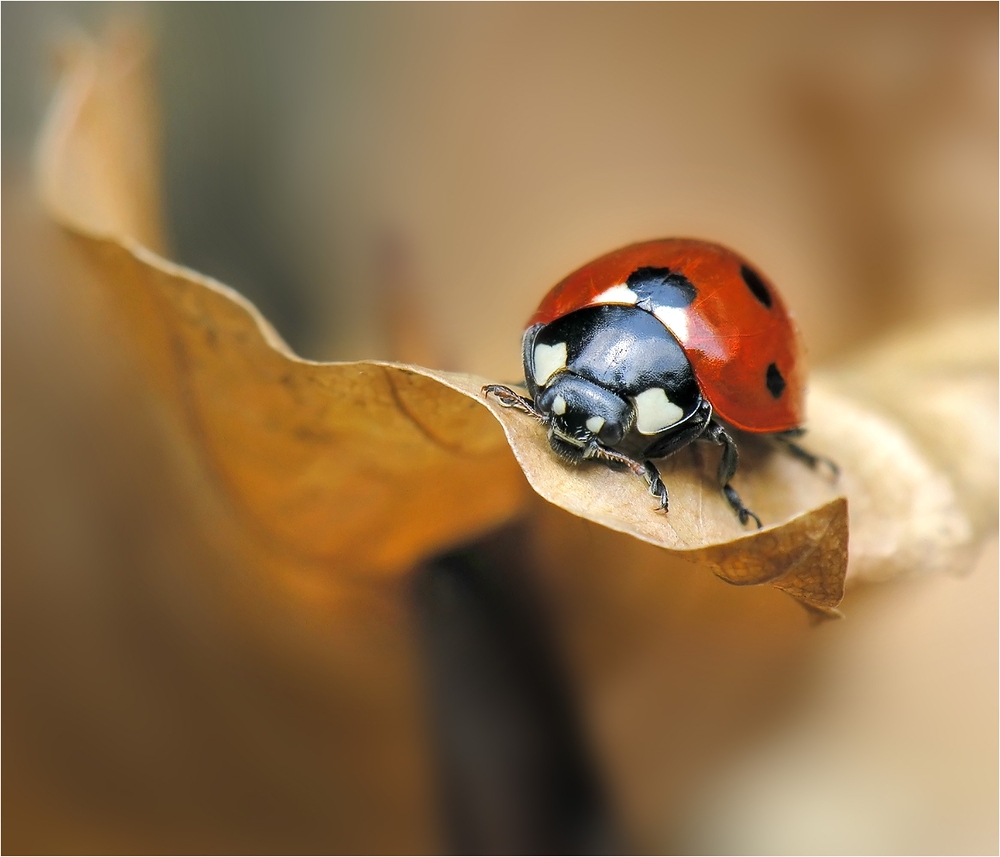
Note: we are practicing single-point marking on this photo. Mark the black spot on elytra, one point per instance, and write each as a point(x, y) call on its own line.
point(756, 285)
point(775, 383)
point(662, 287)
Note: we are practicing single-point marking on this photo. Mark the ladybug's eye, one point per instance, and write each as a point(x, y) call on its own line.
point(610, 433)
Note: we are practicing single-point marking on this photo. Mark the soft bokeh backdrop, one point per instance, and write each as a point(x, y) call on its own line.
point(405, 181)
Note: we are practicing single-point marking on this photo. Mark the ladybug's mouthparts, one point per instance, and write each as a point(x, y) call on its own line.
point(566, 437)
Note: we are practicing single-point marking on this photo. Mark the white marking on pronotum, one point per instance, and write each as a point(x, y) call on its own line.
point(655, 412)
point(620, 294)
point(675, 319)
point(549, 359)
point(595, 424)
point(558, 406)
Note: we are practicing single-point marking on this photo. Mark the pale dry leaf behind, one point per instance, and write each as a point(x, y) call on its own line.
point(922, 476)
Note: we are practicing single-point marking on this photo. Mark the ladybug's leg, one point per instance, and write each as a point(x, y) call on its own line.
point(727, 470)
point(655, 483)
point(814, 461)
point(643, 469)
point(509, 399)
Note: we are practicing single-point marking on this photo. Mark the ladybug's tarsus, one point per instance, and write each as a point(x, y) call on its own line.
point(742, 511)
point(814, 461)
point(656, 486)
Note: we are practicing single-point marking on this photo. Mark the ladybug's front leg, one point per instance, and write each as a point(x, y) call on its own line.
point(509, 399)
point(727, 470)
point(645, 470)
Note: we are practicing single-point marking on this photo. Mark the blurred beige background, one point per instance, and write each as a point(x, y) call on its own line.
point(405, 182)
point(488, 150)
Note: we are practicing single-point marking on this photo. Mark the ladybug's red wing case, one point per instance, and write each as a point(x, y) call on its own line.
point(731, 323)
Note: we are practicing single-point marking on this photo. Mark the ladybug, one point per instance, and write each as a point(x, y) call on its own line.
point(657, 345)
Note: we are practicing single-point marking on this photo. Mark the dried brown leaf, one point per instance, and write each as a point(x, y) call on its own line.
point(327, 464)
point(370, 465)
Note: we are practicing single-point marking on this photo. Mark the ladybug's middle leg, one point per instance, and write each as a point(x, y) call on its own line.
point(715, 433)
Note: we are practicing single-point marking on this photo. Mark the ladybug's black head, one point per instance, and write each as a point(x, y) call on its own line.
point(580, 411)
